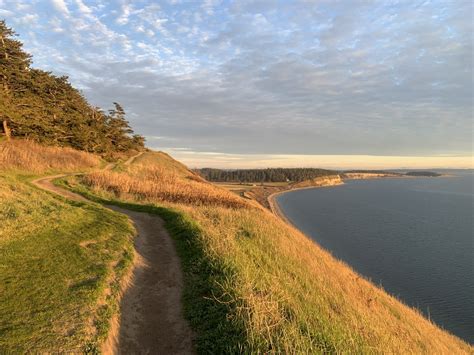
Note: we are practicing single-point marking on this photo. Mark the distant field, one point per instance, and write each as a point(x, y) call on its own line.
point(239, 187)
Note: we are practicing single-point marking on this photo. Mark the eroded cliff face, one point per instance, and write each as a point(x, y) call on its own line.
point(330, 180)
point(261, 194)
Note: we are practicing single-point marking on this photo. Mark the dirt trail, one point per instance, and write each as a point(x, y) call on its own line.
point(151, 318)
point(131, 159)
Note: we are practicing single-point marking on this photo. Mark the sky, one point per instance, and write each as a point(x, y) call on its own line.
point(359, 84)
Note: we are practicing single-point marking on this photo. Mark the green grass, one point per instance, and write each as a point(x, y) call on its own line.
point(217, 332)
point(60, 267)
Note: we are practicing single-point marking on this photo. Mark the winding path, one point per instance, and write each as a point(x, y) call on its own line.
point(151, 318)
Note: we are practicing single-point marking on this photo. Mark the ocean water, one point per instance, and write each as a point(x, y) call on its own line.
point(412, 236)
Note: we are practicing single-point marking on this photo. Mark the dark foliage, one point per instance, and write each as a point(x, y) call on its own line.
point(422, 173)
point(263, 175)
point(38, 105)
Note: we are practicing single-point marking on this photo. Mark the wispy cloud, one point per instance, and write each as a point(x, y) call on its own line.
point(60, 6)
point(82, 7)
point(126, 11)
point(295, 78)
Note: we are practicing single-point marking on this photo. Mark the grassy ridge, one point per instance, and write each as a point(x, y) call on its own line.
point(270, 288)
point(60, 261)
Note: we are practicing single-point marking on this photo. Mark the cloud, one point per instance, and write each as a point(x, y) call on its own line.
point(28, 19)
point(82, 7)
point(5, 13)
point(127, 10)
point(60, 6)
point(338, 162)
point(294, 78)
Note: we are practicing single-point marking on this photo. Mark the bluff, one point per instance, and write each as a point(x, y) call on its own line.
point(330, 180)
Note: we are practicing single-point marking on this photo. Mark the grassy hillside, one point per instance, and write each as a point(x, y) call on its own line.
point(60, 261)
point(254, 283)
point(30, 157)
point(162, 161)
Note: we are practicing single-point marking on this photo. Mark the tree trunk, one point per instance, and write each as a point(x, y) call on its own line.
point(6, 129)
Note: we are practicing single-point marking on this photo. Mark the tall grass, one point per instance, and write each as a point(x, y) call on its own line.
point(29, 156)
point(154, 183)
point(279, 291)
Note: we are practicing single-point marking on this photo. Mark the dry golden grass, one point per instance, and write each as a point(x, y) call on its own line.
point(29, 156)
point(155, 183)
point(295, 297)
point(167, 164)
point(290, 295)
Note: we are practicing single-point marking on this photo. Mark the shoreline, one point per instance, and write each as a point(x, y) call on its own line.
point(276, 210)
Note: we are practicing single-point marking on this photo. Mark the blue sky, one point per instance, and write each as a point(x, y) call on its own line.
point(229, 83)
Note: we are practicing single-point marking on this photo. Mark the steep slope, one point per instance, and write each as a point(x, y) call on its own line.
point(253, 282)
point(60, 261)
point(165, 162)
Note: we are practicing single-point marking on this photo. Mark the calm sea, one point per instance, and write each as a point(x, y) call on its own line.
point(412, 236)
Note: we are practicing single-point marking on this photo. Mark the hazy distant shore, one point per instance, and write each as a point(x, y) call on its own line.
point(276, 210)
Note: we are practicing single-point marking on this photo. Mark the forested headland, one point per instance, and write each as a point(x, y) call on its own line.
point(38, 105)
point(263, 175)
point(293, 175)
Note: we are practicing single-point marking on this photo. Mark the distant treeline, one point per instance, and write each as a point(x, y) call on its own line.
point(38, 105)
point(422, 173)
point(263, 175)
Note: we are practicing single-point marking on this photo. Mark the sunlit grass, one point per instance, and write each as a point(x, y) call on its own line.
point(155, 183)
point(32, 157)
point(278, 291)
point(61, 262)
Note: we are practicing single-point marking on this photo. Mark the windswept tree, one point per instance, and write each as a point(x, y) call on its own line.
point(14, 75)
point(119, 130)
point(39, 105)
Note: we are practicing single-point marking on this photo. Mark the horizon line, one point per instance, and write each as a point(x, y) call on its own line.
point(220, 160)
